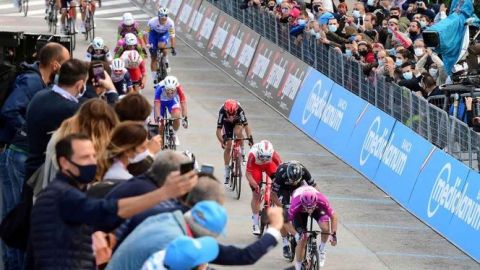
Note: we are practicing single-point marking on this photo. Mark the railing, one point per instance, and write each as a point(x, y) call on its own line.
point(428, 119)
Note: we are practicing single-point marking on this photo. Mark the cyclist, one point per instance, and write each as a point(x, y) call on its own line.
point(63, 4)
point(120, 77)
point(129, 42)
point(169, 95)
point(307, 201)
point(83, 10)
point(98, 51)
point(161, 29)
point(262, 158)
point(231, 119)
point(288, 177)
point(129, 25)
point(136, 68)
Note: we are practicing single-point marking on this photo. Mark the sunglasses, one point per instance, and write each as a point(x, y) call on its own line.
point(264, 157)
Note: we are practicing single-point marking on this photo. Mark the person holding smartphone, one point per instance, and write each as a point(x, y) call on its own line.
point(99, 84)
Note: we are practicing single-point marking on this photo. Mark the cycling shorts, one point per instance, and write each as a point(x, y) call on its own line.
point(300, 221)
point(256, 172)
point(228, 128)
point(171, 105)
point(154, 38)
point(63, 3)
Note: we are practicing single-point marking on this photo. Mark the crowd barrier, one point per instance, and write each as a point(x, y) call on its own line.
point(431, 184)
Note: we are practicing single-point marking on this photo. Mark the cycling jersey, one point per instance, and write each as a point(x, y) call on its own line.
point(159, 33)
point(136, 70)
point(122, 46)
point(256, 168)
point(228, 123)
point(134, 29)
point(121, 81)
point(171, 103)
point(103, 55)
point(281, 179)
point(324, 213)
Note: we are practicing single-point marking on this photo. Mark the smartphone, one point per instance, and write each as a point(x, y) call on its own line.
point(186, 167)
point(98, 72)
point(208, 169)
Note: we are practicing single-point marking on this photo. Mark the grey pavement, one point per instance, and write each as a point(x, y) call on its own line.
point(374, 232)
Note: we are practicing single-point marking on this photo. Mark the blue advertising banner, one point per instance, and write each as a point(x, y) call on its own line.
point(310, 101)
point(438, 190)
point(338, 120)
point(402, 159)
point(368, 141)
point(464, 228)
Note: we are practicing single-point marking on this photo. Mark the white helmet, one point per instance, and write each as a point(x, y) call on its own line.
point(131, 39)
point(118, 64)
point(170, 82)
point(128, 19)
point(163, 12)
point(264, 151)
point(98, 43)
point(133, 57)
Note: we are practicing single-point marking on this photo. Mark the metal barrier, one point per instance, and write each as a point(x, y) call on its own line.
point(428, 118)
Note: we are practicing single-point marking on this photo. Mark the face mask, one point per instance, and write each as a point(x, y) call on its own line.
point(316, 8)
point(394, 17)
point(418, 52)
point(389, 31)
point(138, 157)
point(285, 10)
point(398, 62)
point(79, 95)
point(443, 15)
point(332, 28)
point(433, 72)
point(87, 173)
point(380, 62)
point(301, 22)
point(408, 75)
point(362, 52)
point(370, 2)
point(271, 8)
point(312, 32)
point(348, 52)
point(423, 24)
point(279, 2)
point(317, 35)
point(412, 33)
point(356, 13)
point(392, 52)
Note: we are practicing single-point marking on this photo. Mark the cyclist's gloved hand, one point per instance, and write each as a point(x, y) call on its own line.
point(333, 239)
point(185, 122)
point(174, 52)
point(250, 141)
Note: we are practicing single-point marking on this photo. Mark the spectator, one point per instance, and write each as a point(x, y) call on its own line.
point(389, 69)
point(430, 62)
point(342, 10)
point(358, 14)
point(96, 120)
point(103, 88)
point(372, 5)
point(366, 53)
point(395, 13)
point(415, 31)
point(402, 56)
point(184, 253)
point(34, 78)
point(63, 213)
point(410, 79)
point(284, 13)
point(395, 36)
point(133, 107)
point(424, 22)
point(429, 86)
point(332, 37)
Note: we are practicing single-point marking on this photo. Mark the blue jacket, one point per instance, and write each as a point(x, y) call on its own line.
point(14, 110)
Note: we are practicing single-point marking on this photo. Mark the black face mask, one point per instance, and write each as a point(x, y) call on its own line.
point(316, 8)
point(413, 33)
point(271, 8)
point(394, 17)
point(363, 52)
point(87, 173)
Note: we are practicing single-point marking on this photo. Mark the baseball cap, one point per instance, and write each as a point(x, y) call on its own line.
point(325, 17)
point(208, 215)
point(184, 253)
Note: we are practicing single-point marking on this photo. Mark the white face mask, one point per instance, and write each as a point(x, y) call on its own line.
point(433, 72)
point(356, 13)
point(443, 15)
point(370, 2)
point(79, 95)
point(418, 52)
point(301, 22)
point(138, 157)
point(312, 32)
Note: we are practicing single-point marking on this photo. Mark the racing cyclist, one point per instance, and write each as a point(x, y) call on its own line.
point(288, 177)
point(129, 25)
point(63, 4)
point(161, 29)
point(135, 65)
point(262, 158)
point(83, 10)
point(120, 77)
point(232, 119)
point(98, 51)
point(307, 201)
point(129, 42)
point(169, 95)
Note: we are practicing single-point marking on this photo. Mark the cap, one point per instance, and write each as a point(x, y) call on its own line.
point(325, 17)
point(209, 215)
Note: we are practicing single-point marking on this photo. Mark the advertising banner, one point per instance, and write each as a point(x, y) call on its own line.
point(222, 39)
point(203, 24)
point(186, 16)
point(368, 141)
point(241, 53)
point(311, 101)
point(338, 120)
point(402, 159)
point(174, 7)
point(276, 76)
point(464, 229)
point(439, 192)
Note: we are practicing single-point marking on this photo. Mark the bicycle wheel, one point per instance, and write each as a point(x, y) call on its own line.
point(231, 181)
point(54, 21)
point(263, 221)
point(312, 254)
point(72, 31)
point(89, 26)
point(25, 7)
point(161, 68)
point(238, 178)
point(292, 244)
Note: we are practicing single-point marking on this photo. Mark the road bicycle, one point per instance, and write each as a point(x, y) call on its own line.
point(52, 17)
point(265, 191)
point(235, 179)
point(168, 131)
point(89, 21)
point(292, 243)
point(161, 65)
point(312, 260)
point(70, 23)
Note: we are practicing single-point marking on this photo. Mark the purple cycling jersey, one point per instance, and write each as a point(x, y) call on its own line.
point(296, 206)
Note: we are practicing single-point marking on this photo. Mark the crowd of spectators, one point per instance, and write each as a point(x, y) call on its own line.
point(86, 186)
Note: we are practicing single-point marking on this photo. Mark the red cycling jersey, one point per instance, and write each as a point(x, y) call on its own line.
point(137, 73)
point(255, 168)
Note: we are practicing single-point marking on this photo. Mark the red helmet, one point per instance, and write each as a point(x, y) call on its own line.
point(231, 106)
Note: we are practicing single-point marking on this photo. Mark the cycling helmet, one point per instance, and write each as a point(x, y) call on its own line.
point(264, 151)
point(118, 64)
point(163, 12)
point(128, 19)
point(308, 198)
point(98, 43)
point(294, 172)
point(133, 57)
point(130, 39)
point(170, 82)
point(231, 106)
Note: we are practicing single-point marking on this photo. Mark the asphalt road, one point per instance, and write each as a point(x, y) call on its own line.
point(374, 232)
